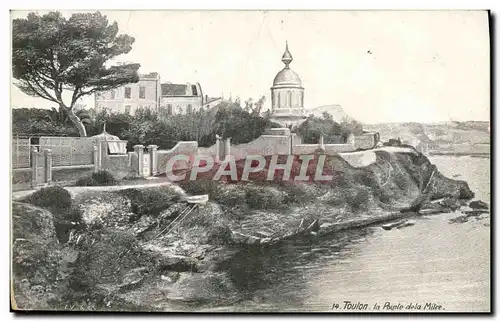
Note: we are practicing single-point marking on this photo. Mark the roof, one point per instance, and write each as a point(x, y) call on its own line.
point(152, 75)
point(287, 57)
point(212, 99)
point(286, 76)
point(105, 136)
point(173, 89)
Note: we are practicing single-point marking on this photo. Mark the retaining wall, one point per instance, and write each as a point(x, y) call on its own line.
point(264, 145)
point(189, 148)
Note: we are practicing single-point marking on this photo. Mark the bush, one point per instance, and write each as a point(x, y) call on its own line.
point(52, 198)
point(366, 178)
point(104, 257)
point(230, 195)
point(66, 220)
point(66, 216)
point(296, 193)
point(100, 178)
point(201, 187)
point(262, 197)
point(86, 181)
point(104, 178)
point(150, 201)
point(359, 201)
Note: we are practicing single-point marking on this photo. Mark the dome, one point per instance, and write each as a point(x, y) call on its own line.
point(288, 77)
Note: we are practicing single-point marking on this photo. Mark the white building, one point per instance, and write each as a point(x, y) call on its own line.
point(287, 95)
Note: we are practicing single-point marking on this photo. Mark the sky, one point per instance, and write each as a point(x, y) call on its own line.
point(380, 66)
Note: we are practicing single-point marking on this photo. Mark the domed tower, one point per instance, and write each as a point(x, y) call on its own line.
point(287, 95)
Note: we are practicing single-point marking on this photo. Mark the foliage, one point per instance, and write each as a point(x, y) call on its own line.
point(52, 54)
point(86, 181)
point(242, 125)
point(52, 198)
point(263, 197)
point(100, 178)
point(104, 257)
point(150, 202)
point(146, 127)
point(200, 187)
point(314, 127)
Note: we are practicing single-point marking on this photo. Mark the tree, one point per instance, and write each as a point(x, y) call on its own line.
point(52, 55)
point(258, 105)
point(314, 127)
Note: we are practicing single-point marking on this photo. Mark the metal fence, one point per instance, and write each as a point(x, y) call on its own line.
point(69, 151)
point(21, 153)
point(66, 151)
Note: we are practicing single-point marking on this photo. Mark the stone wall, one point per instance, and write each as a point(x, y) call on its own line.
point(189, 148)
point(210, 151)
point(338, 148)
point(133, 164)
point(305, 148)
point(118, 165)
point(263, 145)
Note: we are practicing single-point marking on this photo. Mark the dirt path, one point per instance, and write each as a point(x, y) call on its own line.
point(75, 191)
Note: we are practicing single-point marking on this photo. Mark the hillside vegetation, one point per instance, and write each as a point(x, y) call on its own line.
point(124, 255)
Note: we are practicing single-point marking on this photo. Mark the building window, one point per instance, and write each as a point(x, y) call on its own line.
point(302, 99)
point(127, 109)
point(194, 90)
point(169, 109)
point(289, 98)
point(189, 109)
point(112, 94)
point(279, 99)
point(128, 92)
point(142, 92)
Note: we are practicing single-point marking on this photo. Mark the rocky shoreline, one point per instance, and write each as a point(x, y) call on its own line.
point(124, 260)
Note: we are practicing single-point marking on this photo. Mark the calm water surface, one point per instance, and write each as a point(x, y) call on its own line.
point(433, 261)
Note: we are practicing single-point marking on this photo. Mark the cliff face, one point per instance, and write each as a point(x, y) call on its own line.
point(132, 252)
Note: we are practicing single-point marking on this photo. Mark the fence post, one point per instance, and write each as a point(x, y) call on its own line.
point(321, 142)
point(292, 143)
point(48, 166)
point(34, 167)
point(139, 149)
point(227, 149)
point(95, 156)
point(218, 141)
point(152, 159)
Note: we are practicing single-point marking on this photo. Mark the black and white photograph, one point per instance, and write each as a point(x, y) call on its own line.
point(244, 161)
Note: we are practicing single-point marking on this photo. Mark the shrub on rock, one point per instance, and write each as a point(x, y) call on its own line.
point(66, 216)
point(52, 198)
point(150, 201)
